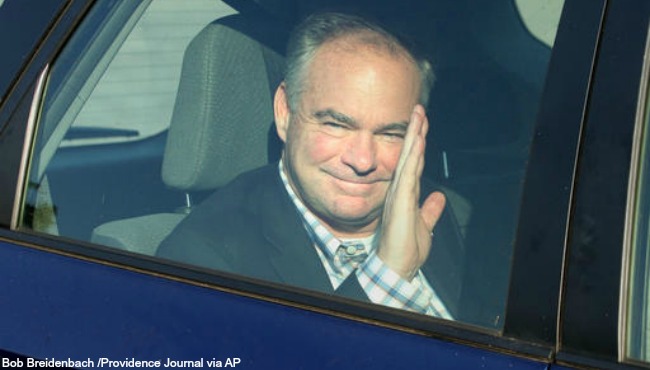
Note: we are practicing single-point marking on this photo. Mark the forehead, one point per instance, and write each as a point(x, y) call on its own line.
point(353, 54)
point(365, 43)
point(354, 77)
point(368, 39)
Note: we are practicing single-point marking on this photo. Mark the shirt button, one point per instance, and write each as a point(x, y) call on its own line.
point(351, 249)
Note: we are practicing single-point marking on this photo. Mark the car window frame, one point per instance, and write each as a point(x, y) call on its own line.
point(599, 206)
point(541, 234)
point(14, 109)
point(638, 161)
point(24, 35)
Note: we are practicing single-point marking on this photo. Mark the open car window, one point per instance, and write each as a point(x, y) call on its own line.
point(155, 106)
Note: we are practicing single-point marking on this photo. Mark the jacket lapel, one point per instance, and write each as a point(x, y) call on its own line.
point(295, 259)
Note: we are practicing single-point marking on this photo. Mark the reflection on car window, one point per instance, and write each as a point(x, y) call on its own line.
point(134, 98)
point(637, 326)
point(541, 18)
point(167, 130)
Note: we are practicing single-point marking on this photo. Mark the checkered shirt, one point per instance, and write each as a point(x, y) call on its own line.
point(381, 284)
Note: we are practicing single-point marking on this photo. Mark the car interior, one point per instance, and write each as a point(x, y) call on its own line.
point(130, 195)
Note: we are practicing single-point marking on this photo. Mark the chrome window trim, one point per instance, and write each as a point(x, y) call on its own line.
point(641, 116)
point(27, 148)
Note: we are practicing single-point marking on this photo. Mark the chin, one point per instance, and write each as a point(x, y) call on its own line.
point(355, 215)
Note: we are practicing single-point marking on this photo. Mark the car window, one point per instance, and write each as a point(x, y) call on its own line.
point(636, 289)
point(158, 122)
point(541, 18)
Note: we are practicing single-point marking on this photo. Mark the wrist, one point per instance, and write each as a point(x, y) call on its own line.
point(406, 271)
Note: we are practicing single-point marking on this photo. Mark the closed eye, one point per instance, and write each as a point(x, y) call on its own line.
point(334, 124)
point(394, 135)
point(394, 131)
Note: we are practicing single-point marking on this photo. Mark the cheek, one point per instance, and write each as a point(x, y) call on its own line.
point(389, 156)
point(320, 147)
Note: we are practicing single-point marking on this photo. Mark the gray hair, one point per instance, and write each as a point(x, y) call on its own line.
point(320, 28)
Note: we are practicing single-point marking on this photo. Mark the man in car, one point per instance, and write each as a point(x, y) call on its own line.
point(340, 213)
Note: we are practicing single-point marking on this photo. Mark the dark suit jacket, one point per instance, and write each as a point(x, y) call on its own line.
point(251, 227)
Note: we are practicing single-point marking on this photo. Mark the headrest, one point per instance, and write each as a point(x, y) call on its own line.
point(223, 115)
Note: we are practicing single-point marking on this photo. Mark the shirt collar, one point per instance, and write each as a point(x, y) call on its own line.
point(320, 235)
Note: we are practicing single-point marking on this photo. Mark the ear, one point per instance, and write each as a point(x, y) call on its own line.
point(281, 111)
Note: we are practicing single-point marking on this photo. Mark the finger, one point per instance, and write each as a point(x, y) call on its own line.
point(422, 147)
point(425, 122)
point(420, 144)
point(409, 177)
point(412, 132)
point(419, 110)
point(432, 209)
point(423, 139)
point(420, 159)
point(406, 179)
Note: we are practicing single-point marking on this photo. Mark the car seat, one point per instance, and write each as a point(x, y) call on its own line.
point(222, 121)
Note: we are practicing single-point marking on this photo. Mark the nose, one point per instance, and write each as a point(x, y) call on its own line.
point(361, 153)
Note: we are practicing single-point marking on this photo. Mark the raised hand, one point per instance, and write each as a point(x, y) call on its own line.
point(406, 228)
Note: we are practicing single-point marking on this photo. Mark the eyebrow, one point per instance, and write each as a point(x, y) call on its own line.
point(338, 116)
point(343, 118)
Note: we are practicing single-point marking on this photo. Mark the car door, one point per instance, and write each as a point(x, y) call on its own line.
point(85, 130)
point(603, 301)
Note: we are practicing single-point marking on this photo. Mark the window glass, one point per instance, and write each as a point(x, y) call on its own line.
point(160, 133)
point(541, 18)
point(637, 290)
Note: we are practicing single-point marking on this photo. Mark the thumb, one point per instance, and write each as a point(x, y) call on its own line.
point(432, 209)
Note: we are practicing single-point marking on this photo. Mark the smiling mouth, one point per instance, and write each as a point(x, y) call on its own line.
point(356, 181)
point(355, 187)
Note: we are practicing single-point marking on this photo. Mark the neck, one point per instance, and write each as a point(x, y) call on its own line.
point(349, 231)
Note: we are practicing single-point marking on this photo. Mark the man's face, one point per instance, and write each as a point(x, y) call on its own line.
point(343, 141)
